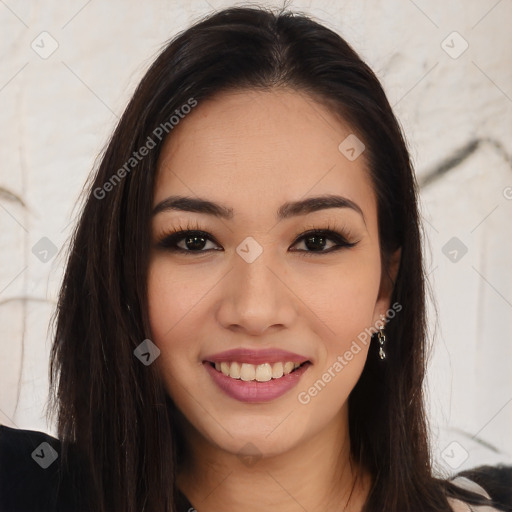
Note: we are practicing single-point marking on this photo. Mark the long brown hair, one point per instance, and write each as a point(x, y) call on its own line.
point(112, 408)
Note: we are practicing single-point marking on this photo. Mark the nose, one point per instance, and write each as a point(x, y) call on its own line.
point(256, 297)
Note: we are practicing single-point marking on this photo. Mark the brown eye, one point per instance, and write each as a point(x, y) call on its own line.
point(193, 241)
point(316, 240)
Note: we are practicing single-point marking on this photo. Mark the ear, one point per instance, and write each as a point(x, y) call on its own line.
point(387, 284)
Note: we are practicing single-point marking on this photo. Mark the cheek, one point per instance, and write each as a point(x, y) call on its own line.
point(343, 297)
point(345, 342)
point(172, 296)
point(345, 304)
point(170, 306)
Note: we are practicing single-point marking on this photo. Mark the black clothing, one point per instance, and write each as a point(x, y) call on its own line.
point(30, 466)
point(29, 474)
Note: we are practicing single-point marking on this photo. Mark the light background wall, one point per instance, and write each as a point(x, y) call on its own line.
point(454, 103)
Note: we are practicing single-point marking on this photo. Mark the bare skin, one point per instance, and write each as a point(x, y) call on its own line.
point(253, 151)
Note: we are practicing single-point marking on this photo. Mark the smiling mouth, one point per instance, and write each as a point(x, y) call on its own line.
point(259, 373)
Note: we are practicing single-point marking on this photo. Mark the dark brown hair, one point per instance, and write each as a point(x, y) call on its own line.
point(114, 409)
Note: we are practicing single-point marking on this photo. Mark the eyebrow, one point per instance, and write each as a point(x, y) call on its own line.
point(287, 210)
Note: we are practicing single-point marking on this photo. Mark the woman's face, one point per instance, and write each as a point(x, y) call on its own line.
point(254, 284)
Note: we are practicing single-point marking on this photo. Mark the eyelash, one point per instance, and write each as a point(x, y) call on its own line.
point(168, 239)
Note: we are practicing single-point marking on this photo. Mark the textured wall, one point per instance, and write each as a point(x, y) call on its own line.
point(68, 69)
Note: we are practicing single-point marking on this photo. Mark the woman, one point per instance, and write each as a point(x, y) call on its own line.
point(257, 374)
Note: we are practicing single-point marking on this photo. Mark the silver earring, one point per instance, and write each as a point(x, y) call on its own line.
point(382, 338)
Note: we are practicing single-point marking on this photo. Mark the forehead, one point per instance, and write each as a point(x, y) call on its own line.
point(254, 149)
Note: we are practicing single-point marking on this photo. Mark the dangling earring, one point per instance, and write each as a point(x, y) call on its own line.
point(382, 338)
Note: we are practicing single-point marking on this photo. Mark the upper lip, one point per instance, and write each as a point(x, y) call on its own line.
point(246, 355)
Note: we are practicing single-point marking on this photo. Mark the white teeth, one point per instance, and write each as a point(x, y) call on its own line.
point(261, 372)
point(235, 370)
point(277, 370)
point(247, 372)
point(224, 368)
point(288, 367)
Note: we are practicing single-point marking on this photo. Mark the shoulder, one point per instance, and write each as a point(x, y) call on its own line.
point(491, 482)
point(31, 474)
point(496, 480)
point(27, 469)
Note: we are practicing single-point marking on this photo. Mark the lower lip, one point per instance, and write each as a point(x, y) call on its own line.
point(253, 391)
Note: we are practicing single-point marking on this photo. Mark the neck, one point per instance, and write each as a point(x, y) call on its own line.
point(317, 474)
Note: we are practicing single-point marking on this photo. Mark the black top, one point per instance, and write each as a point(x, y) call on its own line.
point(29, 475)
point(30, 469)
